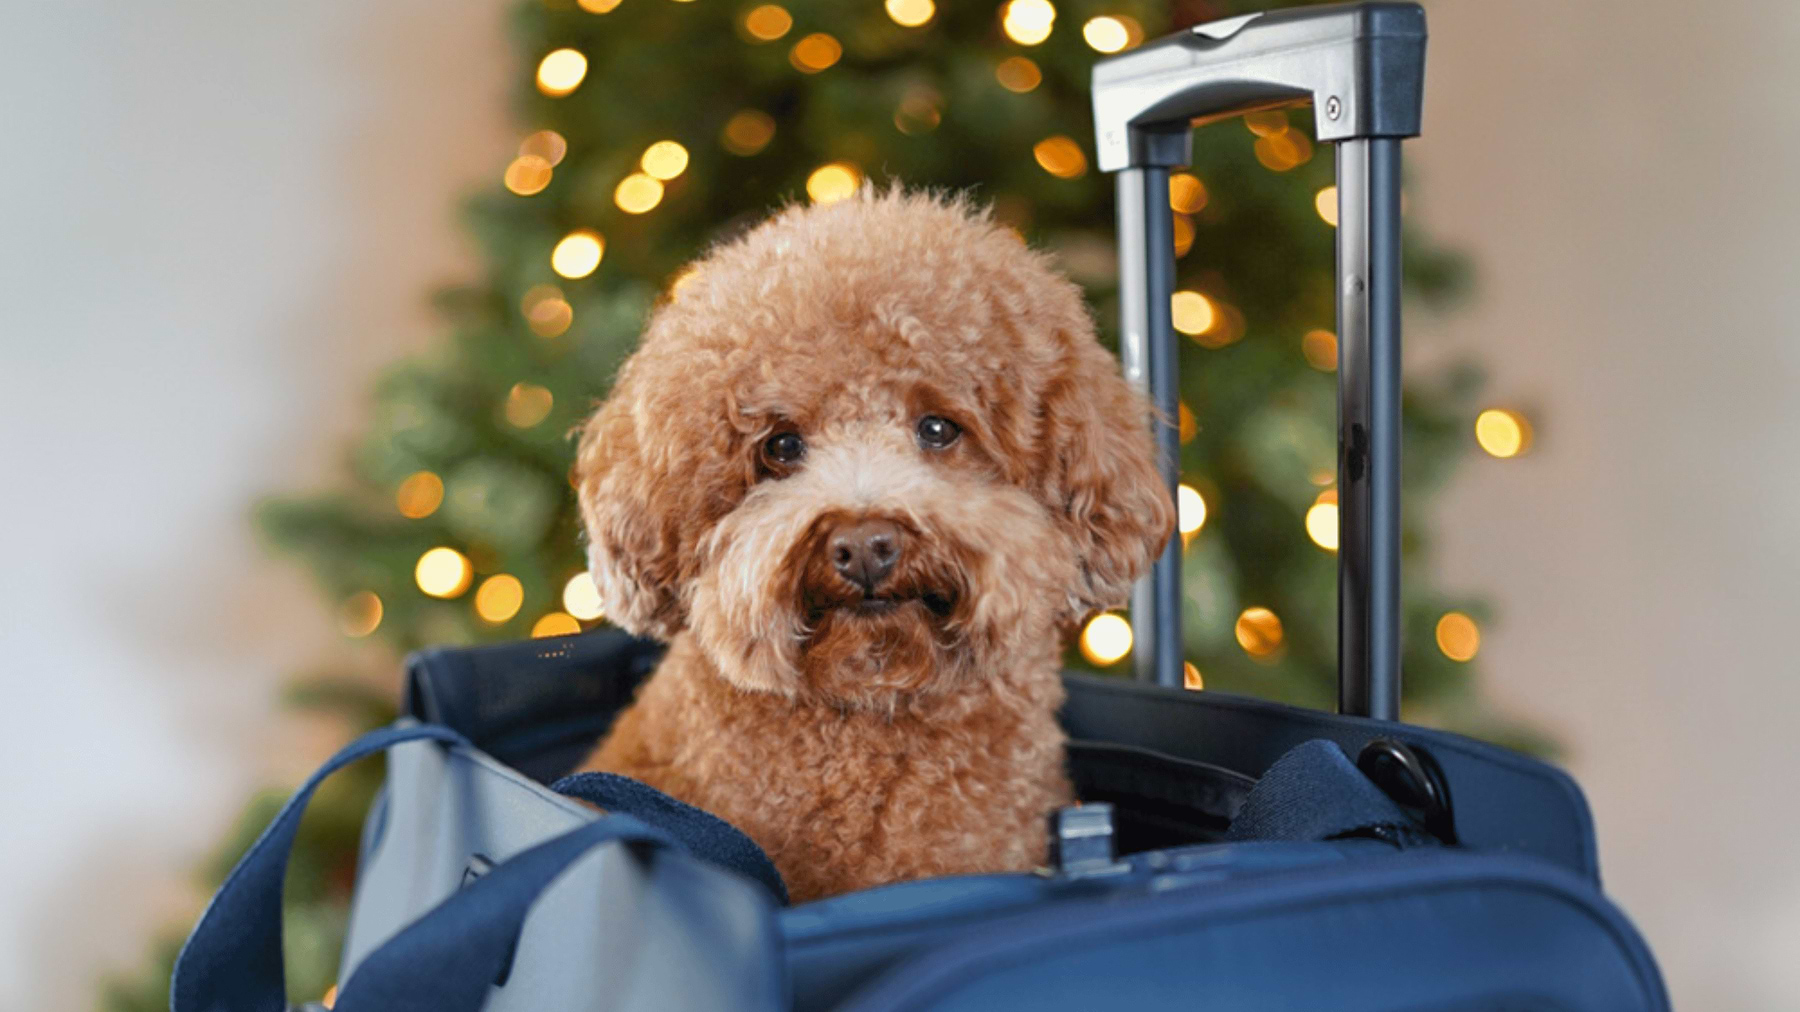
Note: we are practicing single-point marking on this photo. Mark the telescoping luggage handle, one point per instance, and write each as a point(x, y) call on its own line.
point(1362, 68)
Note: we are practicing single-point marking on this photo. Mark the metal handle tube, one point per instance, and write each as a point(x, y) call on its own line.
point(1368, 292)
point(1147, 346)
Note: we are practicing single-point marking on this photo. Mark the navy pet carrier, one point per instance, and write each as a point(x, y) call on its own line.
point(1230, 853)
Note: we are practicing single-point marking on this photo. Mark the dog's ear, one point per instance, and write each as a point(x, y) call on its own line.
point(1101, 479)
point(652, 475)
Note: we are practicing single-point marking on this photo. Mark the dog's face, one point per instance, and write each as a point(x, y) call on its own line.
point(872, 449)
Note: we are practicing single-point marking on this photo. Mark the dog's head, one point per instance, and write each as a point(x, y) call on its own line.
point(870, 449)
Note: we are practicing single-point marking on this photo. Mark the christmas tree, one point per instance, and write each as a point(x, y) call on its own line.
point(651, 128)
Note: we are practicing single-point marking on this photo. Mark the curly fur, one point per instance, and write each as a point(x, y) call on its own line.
point(862, 745)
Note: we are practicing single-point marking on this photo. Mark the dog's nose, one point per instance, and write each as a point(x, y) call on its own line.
point(865, 552)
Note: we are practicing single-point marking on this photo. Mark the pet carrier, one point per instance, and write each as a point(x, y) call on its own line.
point(1231, 853)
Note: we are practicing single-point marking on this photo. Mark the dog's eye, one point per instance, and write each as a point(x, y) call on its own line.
point(937, 432)
point(784, 447)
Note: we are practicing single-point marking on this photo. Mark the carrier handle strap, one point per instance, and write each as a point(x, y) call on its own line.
point(1362, 68)
point(232, 961)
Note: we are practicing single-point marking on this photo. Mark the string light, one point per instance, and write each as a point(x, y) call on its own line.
point(1182, 229)
point(1458, 636)
point(598, 6)
point(682, 280)
point(527, 404)
point(747, 132)
point(1258, 631)
point(767, 23)
point(1502, 433)
point(1322, 520)
point(561, 72)
point(499, 598)
point(1187, 194)
point(1320, 349)
point(419, 495)
point(443, 572)
point(1106, 34)
point(1192, 313)
point(814, 53)
point(1018, 74)
point(527, 174)
point(1325, 202)
point(546, 312)
point(1106, 639)
point(911, 13)
point(555, 624)
point(1227, 326)
point(1028, 22)
point(834, 182)
point(1190, 510)
point(1188, 427)
point(1266, 122)
point(546, 144)
point(1190, 677)
point(638, 193)
point(918, 112)
point(581, 598)
point(1283, 151)
point(1060, 156)
point(577, 254)
point(360, 614)
point(664, 160)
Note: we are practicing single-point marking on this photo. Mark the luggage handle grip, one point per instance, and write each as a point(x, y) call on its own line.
point(1362, 66)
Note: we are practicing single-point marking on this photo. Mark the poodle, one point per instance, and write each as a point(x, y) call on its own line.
point(866, 473)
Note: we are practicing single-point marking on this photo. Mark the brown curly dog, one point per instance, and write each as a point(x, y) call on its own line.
point(866, 473)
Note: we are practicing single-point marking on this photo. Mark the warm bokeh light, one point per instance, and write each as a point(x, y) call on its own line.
point(1191, 312)
point(581, 598)
point(833, 182)
point(665, 160)
point(1227, 326)
point(527, 404)
point(1266, 122)
point(748, 132)
point(578, 254)
point(1458, 636)
point(1258, 631)
point(1322, 520)
point(1187, 194)
point(499, 598)
point(1016, 73)
point(598, 6)
point(1188, 426)
point(360, 614)
point(1283, 151)
point(443, 572)
point(911, 13)
point(1106, 34)
point(555, 624)
point(419, 495)
point(546, 312)
point(546, 144)
point(1191, 678)
point(1106, 639)
point(767, 23)
point(1190, 510)
point(561, 72)
point(919, 112)
point(1182, 229)
point(638, 193)
point(1502, 433)
point(527, 174)
point(814, 53)
point(1061, 157)
point(1325, 202)
point(682, 279)
point(1320, 349)
point(1028, 22)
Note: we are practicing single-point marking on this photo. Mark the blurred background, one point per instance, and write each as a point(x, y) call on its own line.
point(299, 300)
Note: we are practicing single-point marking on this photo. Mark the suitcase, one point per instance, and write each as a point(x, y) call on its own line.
point(1230, 852)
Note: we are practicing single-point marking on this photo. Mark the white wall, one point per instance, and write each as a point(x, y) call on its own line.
point(217, 220)
point(1624, 173)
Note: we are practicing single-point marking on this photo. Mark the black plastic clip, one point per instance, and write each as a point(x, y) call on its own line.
point(1081, 841)
point(1412, 779)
